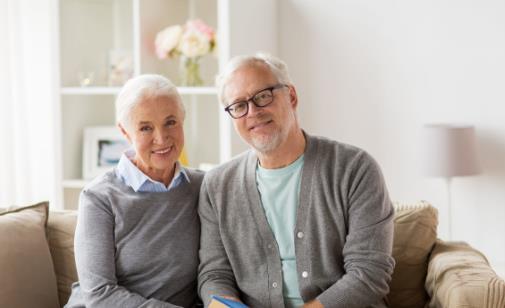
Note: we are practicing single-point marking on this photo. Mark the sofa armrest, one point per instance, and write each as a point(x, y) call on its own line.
point(460, 276)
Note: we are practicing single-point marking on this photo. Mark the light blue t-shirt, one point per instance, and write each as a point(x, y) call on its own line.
point(279, 190)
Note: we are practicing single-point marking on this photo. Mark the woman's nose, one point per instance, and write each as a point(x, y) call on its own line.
point(160, 136)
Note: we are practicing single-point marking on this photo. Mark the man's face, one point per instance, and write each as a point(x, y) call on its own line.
point(263, 128)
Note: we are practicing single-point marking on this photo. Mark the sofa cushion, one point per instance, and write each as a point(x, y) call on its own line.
point(60, 236)
point(415, 233)
point(27, 275)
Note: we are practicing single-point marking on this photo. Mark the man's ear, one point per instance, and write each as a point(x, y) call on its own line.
point(293, 97)
point(124, 132)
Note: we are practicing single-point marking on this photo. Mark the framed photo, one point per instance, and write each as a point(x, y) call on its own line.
point(103, 147)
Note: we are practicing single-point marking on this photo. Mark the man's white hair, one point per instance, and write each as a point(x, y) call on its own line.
point(141, 88)
point(278, 68)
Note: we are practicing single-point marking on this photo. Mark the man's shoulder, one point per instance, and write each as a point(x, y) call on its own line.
point(333, 149)
point(234, 167)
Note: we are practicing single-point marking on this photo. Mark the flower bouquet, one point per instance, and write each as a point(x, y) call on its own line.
point(190, 41)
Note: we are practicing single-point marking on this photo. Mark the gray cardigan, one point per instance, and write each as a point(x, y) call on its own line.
point(343, 233)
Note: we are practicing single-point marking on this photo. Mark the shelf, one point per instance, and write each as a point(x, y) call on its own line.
point(197, 90)
point(90, 90)
point(115, 90)
point(75, 183)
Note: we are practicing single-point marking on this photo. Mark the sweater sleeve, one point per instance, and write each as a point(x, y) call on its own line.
point(215, 275)
point(368, 263)
point(95, 258)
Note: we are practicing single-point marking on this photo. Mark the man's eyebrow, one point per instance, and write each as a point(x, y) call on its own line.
point(243, 99)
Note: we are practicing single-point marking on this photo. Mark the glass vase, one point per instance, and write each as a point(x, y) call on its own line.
point(190, 72)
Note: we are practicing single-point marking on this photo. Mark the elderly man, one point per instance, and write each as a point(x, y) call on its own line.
point(298, 221)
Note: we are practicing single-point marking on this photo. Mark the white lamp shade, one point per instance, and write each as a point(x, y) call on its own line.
point(450, 150)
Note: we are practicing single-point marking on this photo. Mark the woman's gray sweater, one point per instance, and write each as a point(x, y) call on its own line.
point(137, 249)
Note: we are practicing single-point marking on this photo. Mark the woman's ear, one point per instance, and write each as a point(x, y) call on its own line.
point(124, 132)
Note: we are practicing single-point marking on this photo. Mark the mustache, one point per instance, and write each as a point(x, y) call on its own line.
point(262, 117)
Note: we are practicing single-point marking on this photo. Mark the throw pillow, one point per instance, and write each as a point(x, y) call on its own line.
point(460, 276)
point(27, 275)
point(415, 233)
point(60, 236)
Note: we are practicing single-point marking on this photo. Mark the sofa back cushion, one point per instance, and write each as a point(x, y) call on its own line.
point(60, 236)
point(27, 276)
point(415, 233)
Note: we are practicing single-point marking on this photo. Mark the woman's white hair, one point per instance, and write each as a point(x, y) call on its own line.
point(140, 88)
point(278, 68)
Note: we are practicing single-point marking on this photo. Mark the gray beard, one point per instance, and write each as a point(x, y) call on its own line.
point(269, 143)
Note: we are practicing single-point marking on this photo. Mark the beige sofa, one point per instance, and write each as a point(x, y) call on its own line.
point(37, 262)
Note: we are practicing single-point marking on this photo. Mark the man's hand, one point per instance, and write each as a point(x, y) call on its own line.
point(313, 304)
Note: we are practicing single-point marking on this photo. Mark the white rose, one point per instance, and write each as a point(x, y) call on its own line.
point(167, 40)
point(194, 44)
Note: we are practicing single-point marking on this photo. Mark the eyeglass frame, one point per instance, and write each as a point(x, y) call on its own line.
point(271, 89)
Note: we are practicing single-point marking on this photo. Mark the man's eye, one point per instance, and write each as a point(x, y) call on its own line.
point(262, 96)
point(239, 106)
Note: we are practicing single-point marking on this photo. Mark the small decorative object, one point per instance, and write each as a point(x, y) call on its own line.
point(103, 147)
point(191, 42)
point(120, 67)
point(86, 78)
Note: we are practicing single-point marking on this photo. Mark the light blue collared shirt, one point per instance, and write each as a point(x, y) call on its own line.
point(140, 182)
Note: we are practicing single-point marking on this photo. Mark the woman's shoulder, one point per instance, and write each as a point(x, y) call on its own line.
point(101, 191)
point(194, 175)
point(104, 185)
point(105, 179)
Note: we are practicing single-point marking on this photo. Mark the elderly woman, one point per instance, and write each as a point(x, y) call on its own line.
point(137, 235)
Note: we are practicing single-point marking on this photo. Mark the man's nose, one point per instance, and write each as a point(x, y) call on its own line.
point(253, 109)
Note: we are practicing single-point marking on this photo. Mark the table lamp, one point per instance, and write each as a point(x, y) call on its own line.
point(451, 151)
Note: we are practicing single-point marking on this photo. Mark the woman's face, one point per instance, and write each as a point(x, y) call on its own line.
point(156, 132)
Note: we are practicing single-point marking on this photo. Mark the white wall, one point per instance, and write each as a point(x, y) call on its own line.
point(372, 72)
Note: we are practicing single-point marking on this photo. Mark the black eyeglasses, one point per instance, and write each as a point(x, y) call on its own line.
point(262, 98)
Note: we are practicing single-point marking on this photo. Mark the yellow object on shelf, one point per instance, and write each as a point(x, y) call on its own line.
point(183, 158)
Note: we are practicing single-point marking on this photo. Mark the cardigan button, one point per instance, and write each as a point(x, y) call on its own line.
point(274, 284)
point(300, 234)
point(305, 274)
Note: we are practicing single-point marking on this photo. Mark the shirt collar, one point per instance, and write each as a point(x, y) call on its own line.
point(139, 181)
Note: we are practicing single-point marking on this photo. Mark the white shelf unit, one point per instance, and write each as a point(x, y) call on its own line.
point(115, 90)
point(91, 29)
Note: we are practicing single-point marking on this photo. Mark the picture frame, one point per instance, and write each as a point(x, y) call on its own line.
point(103, 147)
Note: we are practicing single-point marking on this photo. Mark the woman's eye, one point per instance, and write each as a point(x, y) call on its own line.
point(145, 129)
point(171, 123)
